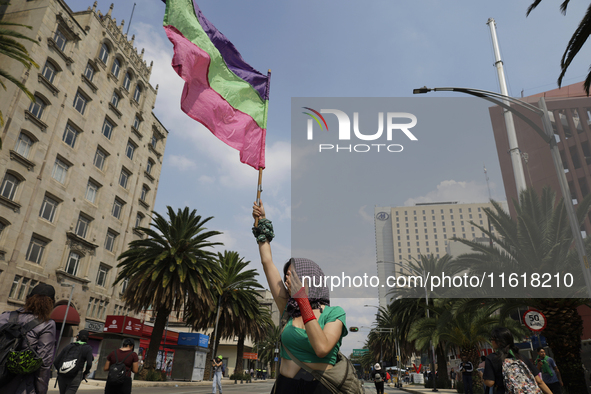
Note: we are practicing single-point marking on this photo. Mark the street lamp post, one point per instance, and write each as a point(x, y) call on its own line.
point(423, 274)
point(547, 135)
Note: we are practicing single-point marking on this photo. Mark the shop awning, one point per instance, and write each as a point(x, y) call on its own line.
point(60, 311)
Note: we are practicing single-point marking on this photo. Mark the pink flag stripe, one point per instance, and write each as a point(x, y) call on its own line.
point(209, 108)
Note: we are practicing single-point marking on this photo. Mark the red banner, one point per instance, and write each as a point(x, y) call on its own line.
point(250, 356)
point(123, 324)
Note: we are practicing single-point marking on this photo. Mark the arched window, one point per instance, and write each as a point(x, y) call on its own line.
point(37, 107)
point(73, 263)
point(104, 54)
point(138, 93)
point(116, 67)
point(127, 81)
point(49, 71)
point(23, 145)
point(149, 166)
point(9, 186)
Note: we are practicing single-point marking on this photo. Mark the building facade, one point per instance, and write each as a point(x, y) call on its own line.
point(405, 233)
point(80, 166)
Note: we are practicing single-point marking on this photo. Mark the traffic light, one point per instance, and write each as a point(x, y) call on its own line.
point(353, 329)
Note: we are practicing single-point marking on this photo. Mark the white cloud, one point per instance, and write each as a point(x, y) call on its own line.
point(450, 190)
point(182, 163)
point(364, 215)
point(206, 179)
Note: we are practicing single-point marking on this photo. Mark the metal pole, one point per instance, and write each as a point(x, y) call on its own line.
point(130, 18)
point(568, 201)
point(215, 333)
point(509, 124)
point(64, 322)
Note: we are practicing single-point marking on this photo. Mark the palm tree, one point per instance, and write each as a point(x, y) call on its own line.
point(257, 328)
point(9, 46)
point(170, 270)
point(538, 240)
point(235, 298)
point(266, 346)
point(575, 43)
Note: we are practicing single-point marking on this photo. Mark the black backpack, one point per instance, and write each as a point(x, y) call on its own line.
point(16, 355)
point(117, 371)
point(70, 364)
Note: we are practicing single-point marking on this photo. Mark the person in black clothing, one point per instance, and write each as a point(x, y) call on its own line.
point(130, 358)
point(70, 384)
point(378, 376)
point(502, 341)
point(466, 368)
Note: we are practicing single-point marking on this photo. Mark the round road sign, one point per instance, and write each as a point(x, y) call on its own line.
point(534, 320)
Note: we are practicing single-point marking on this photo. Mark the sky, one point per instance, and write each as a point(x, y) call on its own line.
point(341, 49)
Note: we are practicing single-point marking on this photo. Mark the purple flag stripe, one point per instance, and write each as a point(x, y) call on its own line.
point(232, 57)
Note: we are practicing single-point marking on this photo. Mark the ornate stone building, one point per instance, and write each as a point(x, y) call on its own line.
point(79, 168)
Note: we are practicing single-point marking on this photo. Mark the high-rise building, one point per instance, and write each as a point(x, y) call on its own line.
point(80, 166)
point(405, 233)
point(570, 115)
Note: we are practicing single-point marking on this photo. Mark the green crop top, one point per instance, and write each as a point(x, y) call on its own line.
point(296, 339)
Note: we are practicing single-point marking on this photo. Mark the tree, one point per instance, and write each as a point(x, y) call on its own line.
point(266, 346)
point(235, 297)
point(539, 239)
point(259, 327)
point(170, 270)
point(575, 43)
point(10, 47)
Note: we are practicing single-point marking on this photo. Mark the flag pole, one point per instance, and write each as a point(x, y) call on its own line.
point(260, 183)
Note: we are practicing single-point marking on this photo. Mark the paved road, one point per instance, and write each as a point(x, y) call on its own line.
point(254, 388)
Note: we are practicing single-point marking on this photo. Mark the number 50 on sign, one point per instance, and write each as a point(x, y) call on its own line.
point(534, 320)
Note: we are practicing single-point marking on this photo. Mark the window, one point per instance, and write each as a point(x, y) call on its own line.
point(115, 99)
point(89, 72)
point(124, 285)
point(49, 71)
point(99, 159)
point(23, 145)
point(101, 277)
point(104, 54)
point(127, 81)
point(110, 241)
point(60, 40)
point(123, 178)
point(107, 128)
point(60, 170)
point(115, 68)
point(138, 220)
point(80, 102)
point(149, 166)
point(9, 186)
point(136, 123)
point(117, 208)
point(82, 226)
point(21, 287)
point(73, 263)
point(48, 208)
point(137, 93)
point(91, 191)
point(35, 250)
point(130, 150)
point(144, 193)
point(70, 136)
point(37, 107)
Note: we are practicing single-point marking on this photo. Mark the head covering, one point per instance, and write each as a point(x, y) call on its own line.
point(377, 367)
point(44, 290)
point(309, 274)
point(220, 356)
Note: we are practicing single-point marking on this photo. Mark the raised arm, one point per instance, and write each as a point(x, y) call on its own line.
point(274, 279)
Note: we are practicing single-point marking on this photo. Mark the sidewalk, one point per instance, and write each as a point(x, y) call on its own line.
point(420, 389)
point(93, 384)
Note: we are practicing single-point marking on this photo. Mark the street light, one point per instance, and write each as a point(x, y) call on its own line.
point(424, 275)
point(547, 135)
point(65, 314)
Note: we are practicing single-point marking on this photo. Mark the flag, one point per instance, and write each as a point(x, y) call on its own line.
point(222, 91)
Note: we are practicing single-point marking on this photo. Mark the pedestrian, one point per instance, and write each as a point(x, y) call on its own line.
point(217, 374)
point(251, 373)
point(313, 333)
point(452, 376)
point(129, 358)
point(377, 376)
point(480, 369)
point(550, 373)
point(38, 305)
point(504, 349)
point(466, 368)
point(69, 382)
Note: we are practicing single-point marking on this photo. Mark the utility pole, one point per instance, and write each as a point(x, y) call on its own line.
point(510, 125)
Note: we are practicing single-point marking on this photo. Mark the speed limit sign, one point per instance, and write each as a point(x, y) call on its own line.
point(534, 320)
